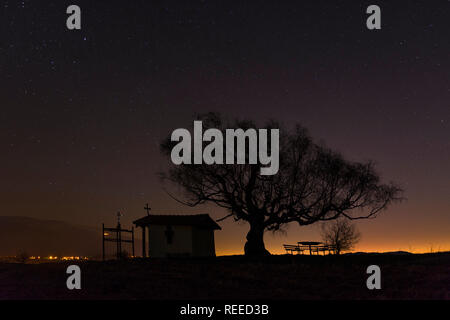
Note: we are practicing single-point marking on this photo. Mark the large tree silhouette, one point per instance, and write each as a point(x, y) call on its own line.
point(313, 184)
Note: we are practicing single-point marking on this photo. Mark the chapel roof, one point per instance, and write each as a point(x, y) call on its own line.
point(197, 220)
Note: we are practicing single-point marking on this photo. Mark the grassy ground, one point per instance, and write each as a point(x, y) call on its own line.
point(425, 276)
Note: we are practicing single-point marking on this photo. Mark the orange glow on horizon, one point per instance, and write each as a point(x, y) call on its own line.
point(367, 249)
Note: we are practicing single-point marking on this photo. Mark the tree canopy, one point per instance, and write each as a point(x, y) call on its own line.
point(340, 234)
point(314, 183)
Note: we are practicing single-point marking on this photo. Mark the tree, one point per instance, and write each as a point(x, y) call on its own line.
point(313, 184)
point(340, 234)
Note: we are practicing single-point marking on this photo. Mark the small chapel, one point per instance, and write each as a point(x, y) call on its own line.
point(177, 235)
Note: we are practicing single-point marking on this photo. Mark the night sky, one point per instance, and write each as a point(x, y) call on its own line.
point(82, 112)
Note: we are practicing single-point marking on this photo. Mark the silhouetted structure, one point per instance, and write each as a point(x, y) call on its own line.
point(118, 239)
point(308, 246)
point(178, 235)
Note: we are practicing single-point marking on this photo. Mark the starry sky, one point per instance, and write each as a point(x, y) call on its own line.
point(83, 111)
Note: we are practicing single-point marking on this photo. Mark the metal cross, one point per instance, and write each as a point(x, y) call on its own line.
point(147, 208)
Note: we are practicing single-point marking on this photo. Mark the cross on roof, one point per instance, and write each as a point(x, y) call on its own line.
point(147, 208)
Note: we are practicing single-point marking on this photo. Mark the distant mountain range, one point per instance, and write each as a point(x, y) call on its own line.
point(47, 237)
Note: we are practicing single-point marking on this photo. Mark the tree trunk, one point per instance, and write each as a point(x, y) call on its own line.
point(254, 247)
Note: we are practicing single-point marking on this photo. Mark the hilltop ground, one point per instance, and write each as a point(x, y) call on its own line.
point(407, 276)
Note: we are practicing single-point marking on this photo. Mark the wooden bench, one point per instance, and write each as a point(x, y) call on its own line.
point(325, 248)
point(299, 249)
point(291, 248)
point(303, 248)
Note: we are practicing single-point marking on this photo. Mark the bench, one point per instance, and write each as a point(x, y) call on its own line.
point(291, 248)
point(299, 249)
point(325, 248)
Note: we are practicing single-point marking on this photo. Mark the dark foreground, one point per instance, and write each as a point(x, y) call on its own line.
point(425, 276)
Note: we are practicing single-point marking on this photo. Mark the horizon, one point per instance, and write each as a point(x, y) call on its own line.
point(274, 247)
